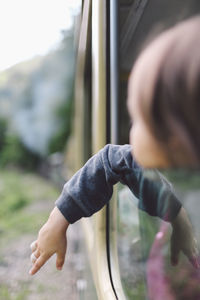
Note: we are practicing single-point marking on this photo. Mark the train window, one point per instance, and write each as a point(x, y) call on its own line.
point(143, 241)
point(139, 236)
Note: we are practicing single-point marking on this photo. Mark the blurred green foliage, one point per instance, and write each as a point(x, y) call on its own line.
point(65, 115)
point(13, 197)
point(3, 128)
point(14, 152)
point(135, 292)
point(183, 179)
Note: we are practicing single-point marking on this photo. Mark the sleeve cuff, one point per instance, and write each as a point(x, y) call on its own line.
point(68, 207)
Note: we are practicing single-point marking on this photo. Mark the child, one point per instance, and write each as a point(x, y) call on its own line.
point(165, 114)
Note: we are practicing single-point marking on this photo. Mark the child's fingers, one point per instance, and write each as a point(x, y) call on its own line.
point(193, 254)
point(60, 259)
point(174, 259)
point(194, 262)
point(174, 254)
point(34, 256)
point(38, 264)
point(33, 246)
point(37, 253)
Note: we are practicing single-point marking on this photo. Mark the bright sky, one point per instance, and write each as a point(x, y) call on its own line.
point(32, 27)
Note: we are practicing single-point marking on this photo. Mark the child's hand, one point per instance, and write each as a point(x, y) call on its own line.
point(51, 239)
point(183, 239)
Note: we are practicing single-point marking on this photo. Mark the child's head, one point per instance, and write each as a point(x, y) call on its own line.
point(164, 99)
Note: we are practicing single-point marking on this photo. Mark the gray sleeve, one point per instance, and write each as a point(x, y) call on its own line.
point(92, 186)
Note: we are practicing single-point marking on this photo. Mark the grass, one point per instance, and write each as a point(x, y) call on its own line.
point(22, 211)
point(6, 294)
point(18, 193)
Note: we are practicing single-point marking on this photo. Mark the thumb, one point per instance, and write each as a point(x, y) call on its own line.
point(60, 259)
point(174, 253)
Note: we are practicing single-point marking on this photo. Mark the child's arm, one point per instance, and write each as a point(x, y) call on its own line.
point(51, 239)
point(83, 195)
point(91, 188)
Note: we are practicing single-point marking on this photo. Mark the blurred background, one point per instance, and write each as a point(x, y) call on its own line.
point(36, 80)
point(37, 64)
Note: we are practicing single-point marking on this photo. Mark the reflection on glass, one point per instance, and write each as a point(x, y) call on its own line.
point(181, 281)
point(129, 245)
point(147, 243)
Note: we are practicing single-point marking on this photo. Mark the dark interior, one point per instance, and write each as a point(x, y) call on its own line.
point(139, 21)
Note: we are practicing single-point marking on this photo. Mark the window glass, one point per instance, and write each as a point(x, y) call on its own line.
point(144, 241)
point(180, 281)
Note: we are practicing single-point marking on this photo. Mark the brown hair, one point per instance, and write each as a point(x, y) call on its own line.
point(174, 110)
